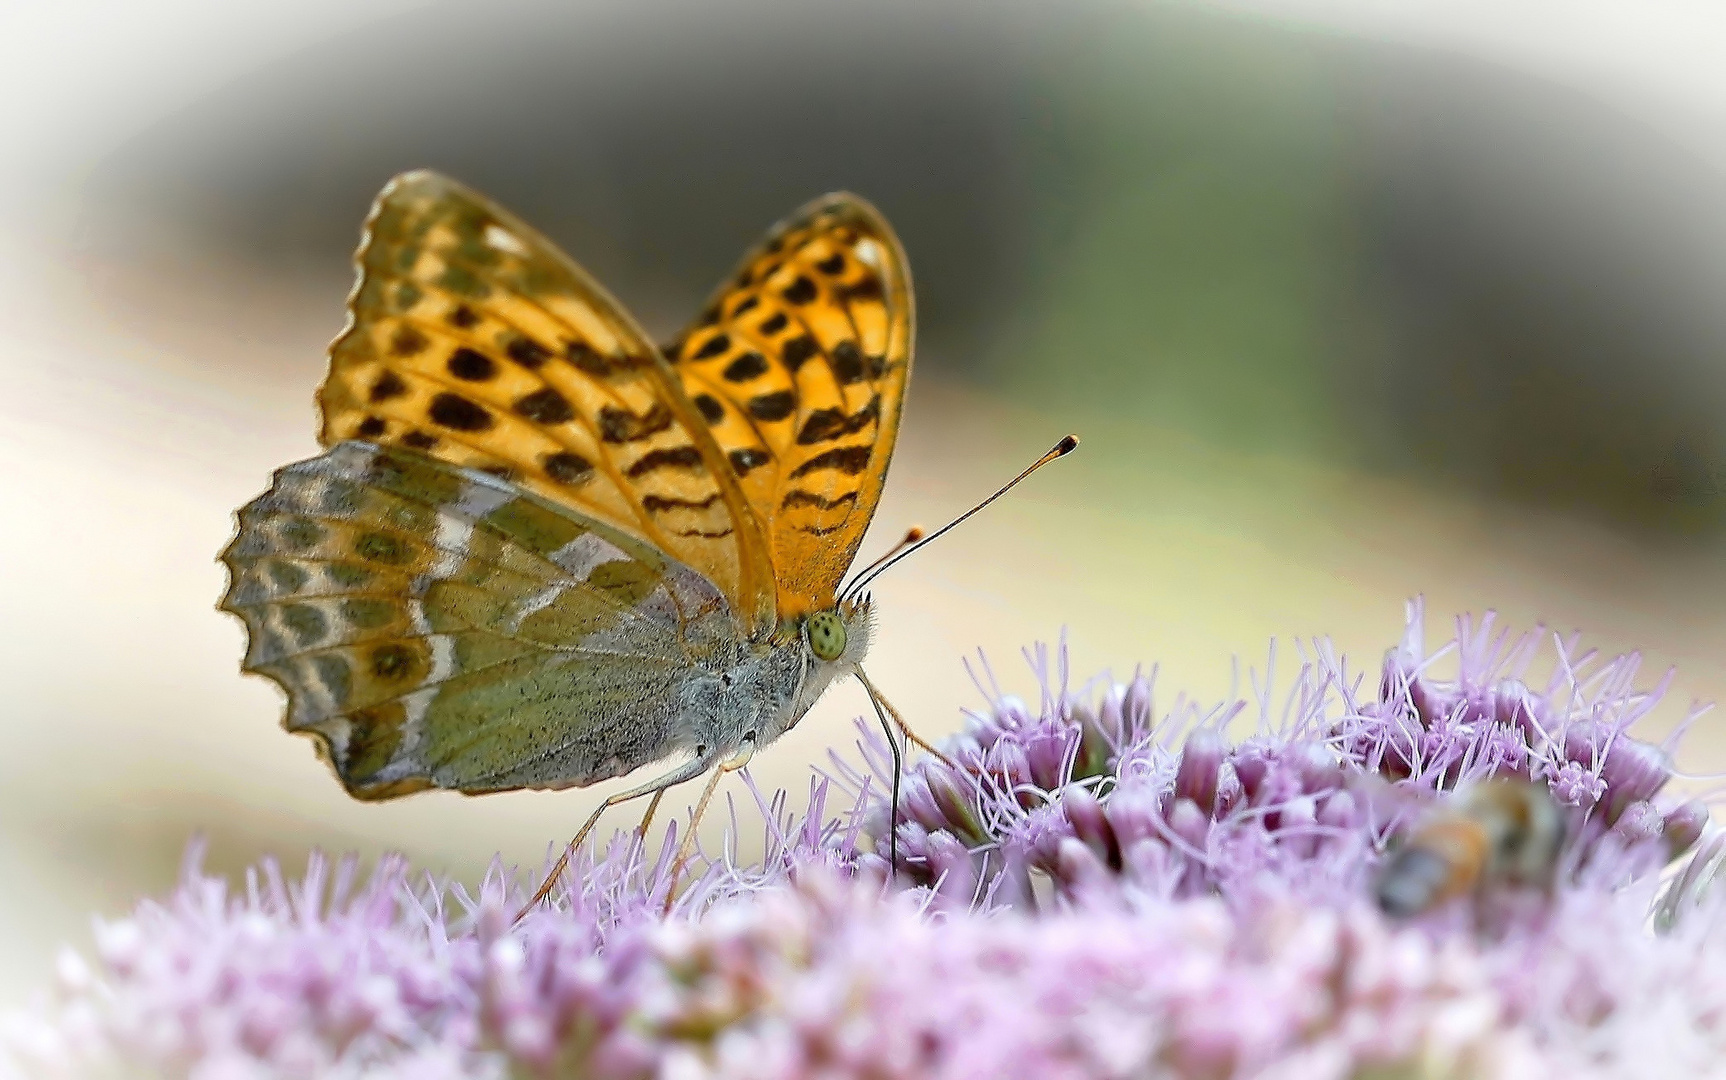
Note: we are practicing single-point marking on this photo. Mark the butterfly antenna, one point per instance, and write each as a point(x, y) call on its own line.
point(882, 565)
point(912, 535)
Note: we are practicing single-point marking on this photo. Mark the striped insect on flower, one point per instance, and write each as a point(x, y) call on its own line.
point(541, 552)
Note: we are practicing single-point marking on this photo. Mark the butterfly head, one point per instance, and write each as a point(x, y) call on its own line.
point(817, 650)
point(838, 637)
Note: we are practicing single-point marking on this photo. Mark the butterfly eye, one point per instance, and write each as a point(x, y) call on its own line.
point(827, 635)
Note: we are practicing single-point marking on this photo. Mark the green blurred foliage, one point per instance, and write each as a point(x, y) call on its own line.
point(1197, 247)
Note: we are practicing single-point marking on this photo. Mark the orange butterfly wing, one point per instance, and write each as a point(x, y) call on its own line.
point(799, 365)
point(474, 340)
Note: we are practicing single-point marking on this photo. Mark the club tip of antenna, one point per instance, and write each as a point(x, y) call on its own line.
point(912, 535)
point(1067, 445)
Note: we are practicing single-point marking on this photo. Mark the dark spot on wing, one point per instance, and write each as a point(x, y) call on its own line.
point(473, 366)
point(299, 534)
point(459, 414)
point(586, 358)
point(567, 468)
point(464, 282)
point(348, 575)
point(463, 317)
point(287, 577)
point(798, 350)
point(800, 291)
point(657, 504)
point(305, 622)
point(711, 410)
point(773, 323)
point(419, 440)
point(392, 661)
point(748, 366)
point(370, 428)
point(747, 458)
point(677, 457)
point(620, 425)
point(799, 497)
point(867, 289)
point(775, 406)
point(332, 672)
point(545, 406)
point(717, 345)
point(388, 471)
point(848, 363)
point(849, 460)
point(340, 497)
point(368, 612)
point(748, 303)
point(382, 548)
point(833, 265)
point(527, 352)
point(407, 341)
point(389, 385)
point(825, 425)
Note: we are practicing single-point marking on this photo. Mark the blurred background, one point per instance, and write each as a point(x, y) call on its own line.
point(1348, 305)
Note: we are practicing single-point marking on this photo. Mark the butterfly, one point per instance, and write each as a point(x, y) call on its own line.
point(540, 551)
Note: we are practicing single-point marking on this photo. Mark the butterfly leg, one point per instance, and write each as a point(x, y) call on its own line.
point(687, 848)
point(647, 818)
point(910, 736)
point(655, 788)
point(893, 794)
point(879, 700)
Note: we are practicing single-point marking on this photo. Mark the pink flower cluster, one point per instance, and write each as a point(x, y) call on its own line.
point(1094, 785)
point(1082, 891)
